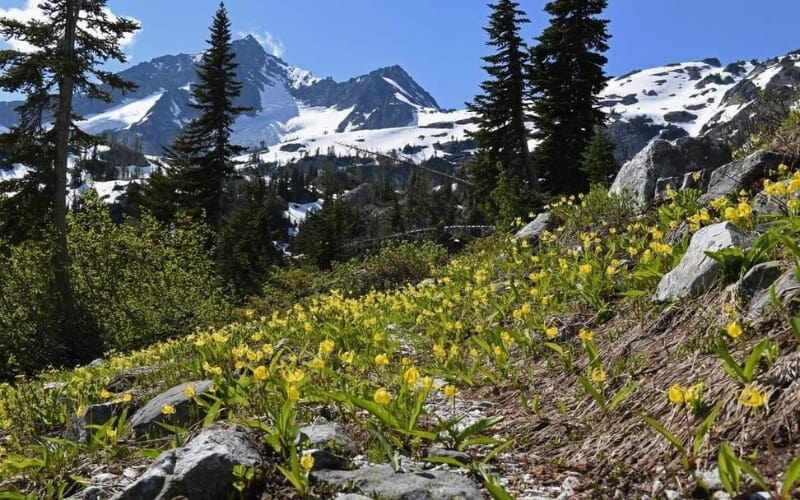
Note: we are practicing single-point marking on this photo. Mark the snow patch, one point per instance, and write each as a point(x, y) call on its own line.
point(121, 117)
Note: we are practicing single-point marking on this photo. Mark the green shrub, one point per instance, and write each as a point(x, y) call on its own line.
point(143, 282)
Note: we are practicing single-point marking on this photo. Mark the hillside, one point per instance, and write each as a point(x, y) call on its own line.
point(598, 353)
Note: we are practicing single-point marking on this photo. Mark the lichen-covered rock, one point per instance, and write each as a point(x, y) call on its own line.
point(738, 174)
point(785, 289)
point(697, 271)
point(665, 160)
point(201, 470)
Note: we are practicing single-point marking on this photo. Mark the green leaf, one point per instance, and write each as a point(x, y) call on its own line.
point(622, 394)
point(592, 390)
point(753, 359)
point(704, 428)
point(479, 426)
point(212, 413)
point(730, 365)
point(672, 438)
point(555, 347)
point(794, 322)
point(790, 477)
point(729, 472)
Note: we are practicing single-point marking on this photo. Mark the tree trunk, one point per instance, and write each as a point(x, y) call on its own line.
point(63, 120)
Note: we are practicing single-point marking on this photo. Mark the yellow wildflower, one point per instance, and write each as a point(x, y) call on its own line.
point(167, 410)
point(326, 347)
point(734, 329)
point(294, 376)
point(382, 397)
point(317, 363)
point(190, 392)
point(268, 349)
point(260, 372)
point(598, 375)
point(586, 335)
point(676, 394)
point(292, 393)
point(439, 351)
point(382, 359)
point(450, 390)
point(307, 462)
point(551, 332)
point(105, 394)
point(111, 433)
point(427, 383)
point(752, 397)
point(219, 337)
point(584, 270)
point(411, 376)
point(347, 357)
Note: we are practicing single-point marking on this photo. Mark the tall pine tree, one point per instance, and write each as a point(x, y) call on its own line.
point(566, 76)
point(201, 157)
point(500, 109)
point(70, 42)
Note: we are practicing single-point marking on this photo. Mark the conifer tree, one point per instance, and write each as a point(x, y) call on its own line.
point(500, 109)
point(70, 43)
point(597, 161)
point(201, 156)
point(566, 77)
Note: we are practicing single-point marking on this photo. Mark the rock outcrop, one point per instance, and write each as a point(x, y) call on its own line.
point(697, 271)
point(669, 162)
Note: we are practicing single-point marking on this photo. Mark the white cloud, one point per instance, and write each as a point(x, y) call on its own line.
point(272, 43)
point(31, 11)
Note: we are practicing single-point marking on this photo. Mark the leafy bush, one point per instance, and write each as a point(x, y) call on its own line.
point(143, 283)
point(133, 285)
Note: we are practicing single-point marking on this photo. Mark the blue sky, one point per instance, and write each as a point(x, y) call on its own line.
point(440, 42)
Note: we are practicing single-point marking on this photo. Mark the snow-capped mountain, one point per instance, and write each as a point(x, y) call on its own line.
point(278, 95)
point(293, 113)
point(695, 98)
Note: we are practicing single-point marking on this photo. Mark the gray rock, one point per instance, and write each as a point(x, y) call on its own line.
point(145, 419)
point(90, 493)
point(765, 204)
point(353, 496)
point(325, 460)
point(203, 469)
point(329, 436)
point(124, 380)
point(96, 414)
point(414, 483)
point(436, 451)
point(786, 288)
point(663, 160)
point(759, 277)
point(709, 479)
point(697, 271)
point(738, 174)
point(534, 229)
point(53, 386)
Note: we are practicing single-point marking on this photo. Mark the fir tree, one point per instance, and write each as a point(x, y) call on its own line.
point(597, 161)
point(70, 42)
point(500, 109)
point(566, 76)
point(201, 157)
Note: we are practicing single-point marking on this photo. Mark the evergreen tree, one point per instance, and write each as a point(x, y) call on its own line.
point(500, 109)
point(245, 248)
point(201, 157)
point(566, 76)
point(68, 52)
point(597, 161)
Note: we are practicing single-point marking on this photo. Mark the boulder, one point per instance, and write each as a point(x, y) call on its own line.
point(668, 160)
point(203, 469)
point(764, 204)
point(786, 289)
point(123, 381)
point(330, 436)
point(697, 271)
point(96, 414)
point(410, 482)
point(146, 419)
point(738, 174)
point(534, 229)
point(760, 277)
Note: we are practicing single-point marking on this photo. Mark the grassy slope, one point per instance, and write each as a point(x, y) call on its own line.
point(551, 334)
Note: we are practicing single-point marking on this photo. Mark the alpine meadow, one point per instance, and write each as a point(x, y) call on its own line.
point(226, 277)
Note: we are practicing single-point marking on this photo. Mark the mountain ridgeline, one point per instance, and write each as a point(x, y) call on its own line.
point(151, 116)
